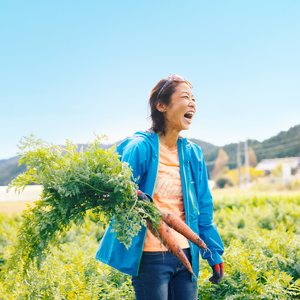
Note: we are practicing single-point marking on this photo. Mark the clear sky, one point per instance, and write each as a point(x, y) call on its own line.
point(69, 69)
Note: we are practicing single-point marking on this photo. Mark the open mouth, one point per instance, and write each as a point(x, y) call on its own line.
point(189, 115)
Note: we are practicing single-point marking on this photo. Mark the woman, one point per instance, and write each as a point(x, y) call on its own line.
point(171, 170)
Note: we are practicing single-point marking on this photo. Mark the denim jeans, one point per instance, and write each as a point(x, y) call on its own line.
point(163, 277)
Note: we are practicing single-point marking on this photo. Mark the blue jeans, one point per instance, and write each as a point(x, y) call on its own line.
point(163, 277)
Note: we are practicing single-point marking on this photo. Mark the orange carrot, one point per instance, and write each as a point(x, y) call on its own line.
point(177, 224)
point(164, 234)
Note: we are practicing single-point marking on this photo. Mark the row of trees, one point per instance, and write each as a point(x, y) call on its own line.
point(284, 144)
point(222, 174)
point(223, 159)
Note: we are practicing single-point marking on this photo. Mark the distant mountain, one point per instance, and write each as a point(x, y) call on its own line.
point(9, 169)
point(205, 147)
point(284, 144)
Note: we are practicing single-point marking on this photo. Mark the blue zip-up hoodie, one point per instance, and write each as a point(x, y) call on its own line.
point(141, 152)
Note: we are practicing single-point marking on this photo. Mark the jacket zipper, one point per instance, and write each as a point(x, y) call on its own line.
point(192, 198)
point(187, 203)
point(152, 197)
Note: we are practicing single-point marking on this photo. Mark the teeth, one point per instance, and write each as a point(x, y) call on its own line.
point(190, 114)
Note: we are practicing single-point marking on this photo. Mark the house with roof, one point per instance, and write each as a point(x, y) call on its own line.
point(267, 165)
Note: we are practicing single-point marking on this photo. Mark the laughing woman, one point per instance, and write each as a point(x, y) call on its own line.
point(171, 170)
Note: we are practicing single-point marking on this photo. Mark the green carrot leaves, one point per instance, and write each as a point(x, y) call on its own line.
point(76, 182)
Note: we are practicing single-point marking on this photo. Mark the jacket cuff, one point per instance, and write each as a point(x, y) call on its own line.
point(215, 259)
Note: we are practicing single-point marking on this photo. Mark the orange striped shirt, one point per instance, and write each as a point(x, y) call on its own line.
point(168, 196)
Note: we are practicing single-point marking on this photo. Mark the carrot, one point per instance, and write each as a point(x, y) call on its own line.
point(164, 234)
point(177, 224)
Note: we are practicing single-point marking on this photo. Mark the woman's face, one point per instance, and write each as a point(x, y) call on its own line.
point(179, 113)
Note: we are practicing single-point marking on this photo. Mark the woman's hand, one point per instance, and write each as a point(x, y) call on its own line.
point(218, 272)
point(143, 196)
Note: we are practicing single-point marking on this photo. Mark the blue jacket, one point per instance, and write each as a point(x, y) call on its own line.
point(142, 153)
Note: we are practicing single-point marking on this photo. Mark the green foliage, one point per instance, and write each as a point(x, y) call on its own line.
point(291, 150)
point(262, 261)
point(224, 180)
point(262, 239)
point(265, 266)
point(235, 217)
point(9, 169)
point(69, 273)
point(74, 183)
point(8, 233)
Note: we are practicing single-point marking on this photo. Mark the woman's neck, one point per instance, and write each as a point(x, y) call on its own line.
point(169, 140)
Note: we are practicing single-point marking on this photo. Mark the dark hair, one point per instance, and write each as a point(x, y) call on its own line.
point(157, 117)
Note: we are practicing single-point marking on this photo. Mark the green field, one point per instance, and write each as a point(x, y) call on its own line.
point(261, 233)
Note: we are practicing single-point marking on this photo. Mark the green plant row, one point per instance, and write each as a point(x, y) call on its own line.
point(69, 273)
point(265, 266)
point(261, 258)
point(235, 216)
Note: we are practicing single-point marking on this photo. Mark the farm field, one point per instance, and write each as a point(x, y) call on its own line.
point(261, 233)
point(14, 203)
point(11, 208)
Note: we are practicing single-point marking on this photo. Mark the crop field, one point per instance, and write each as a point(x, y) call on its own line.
point(261, 233)
point(11, 208)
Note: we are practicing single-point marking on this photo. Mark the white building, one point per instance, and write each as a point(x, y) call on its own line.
point(268, 165)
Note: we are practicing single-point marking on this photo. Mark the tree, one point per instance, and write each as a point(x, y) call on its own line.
point(252, 158)
point(220, 163)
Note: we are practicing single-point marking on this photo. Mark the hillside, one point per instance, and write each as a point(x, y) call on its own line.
point(284, 144)
point(9, 169)
point(203, 145)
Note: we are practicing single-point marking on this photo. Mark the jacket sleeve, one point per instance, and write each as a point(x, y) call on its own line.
point(208, 230)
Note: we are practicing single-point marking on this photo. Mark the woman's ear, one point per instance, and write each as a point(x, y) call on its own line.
point(161, 107)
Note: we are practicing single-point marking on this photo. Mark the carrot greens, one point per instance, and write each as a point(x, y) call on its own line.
point(75, 182)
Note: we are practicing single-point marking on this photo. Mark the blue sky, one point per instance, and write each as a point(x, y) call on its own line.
point(69, 69)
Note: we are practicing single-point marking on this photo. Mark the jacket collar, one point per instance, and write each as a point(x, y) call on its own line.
point(150, 130)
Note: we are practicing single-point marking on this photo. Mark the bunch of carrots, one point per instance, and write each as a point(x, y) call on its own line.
point(77, 181)
point(164, 234)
